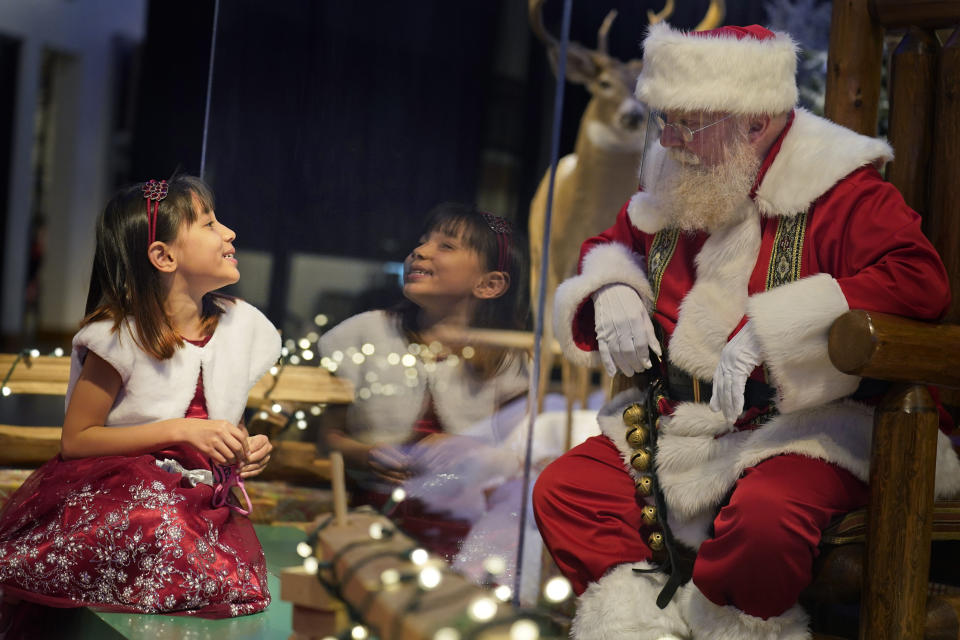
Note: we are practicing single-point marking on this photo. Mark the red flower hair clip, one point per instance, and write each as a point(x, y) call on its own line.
point(502, 229)
point(153, 192)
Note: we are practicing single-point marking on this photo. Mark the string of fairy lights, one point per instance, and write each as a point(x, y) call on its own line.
point(418, 566)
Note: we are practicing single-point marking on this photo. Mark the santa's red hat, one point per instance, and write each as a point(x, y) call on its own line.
point(745, 70)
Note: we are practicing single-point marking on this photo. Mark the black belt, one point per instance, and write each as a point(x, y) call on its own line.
point(680, 388)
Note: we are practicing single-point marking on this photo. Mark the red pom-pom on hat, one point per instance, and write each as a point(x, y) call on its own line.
point(754, 31)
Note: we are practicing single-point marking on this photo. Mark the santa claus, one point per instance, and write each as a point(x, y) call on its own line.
point(756, 226)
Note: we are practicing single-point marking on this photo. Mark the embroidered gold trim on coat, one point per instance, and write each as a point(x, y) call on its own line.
point(664, 244)
point(787, 251)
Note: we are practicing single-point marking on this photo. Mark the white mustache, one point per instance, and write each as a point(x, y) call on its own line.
point(684, 157)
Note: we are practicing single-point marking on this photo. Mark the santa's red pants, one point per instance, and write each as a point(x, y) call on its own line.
point(765, 538)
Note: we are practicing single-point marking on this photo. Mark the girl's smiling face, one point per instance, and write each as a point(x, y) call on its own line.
point(205, 254)
point(442, 269)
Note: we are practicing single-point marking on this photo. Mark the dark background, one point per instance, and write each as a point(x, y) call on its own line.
point(334, 126)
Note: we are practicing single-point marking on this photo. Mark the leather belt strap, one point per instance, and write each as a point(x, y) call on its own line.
point(681, 388)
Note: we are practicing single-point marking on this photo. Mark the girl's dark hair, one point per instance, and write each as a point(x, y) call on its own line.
point(124, 283)
point(509, 311)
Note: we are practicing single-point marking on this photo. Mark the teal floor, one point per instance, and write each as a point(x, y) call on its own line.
point(279, 546)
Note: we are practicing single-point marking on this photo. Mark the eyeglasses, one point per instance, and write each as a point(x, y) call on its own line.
point(685, 132)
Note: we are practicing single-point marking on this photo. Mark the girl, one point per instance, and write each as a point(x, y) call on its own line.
point(414, 394)
point(130, 516)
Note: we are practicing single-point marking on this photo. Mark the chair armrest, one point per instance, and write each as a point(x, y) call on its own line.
point(886, 347)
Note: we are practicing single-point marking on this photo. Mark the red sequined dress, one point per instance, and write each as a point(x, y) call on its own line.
point(120, 533)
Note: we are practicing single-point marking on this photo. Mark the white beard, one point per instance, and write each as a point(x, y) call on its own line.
point(696, 197)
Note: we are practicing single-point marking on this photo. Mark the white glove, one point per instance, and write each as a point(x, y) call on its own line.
point(738, 359)
point(624, 330)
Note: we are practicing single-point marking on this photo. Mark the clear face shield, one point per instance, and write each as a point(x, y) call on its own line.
point(697, 164)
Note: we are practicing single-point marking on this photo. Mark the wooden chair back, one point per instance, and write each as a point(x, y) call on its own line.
point(924, 129)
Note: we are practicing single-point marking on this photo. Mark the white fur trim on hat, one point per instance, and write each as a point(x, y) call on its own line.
point(792, 323)
point(687, 72)
point(623, 604)
point(610, 263)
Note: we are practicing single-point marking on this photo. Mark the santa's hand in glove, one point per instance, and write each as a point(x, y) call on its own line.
point(625, 332)
point(737, 361)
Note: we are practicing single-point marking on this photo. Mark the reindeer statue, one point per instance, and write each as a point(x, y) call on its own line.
point(594, 181)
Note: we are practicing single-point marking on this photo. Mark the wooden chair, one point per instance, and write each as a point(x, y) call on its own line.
point(924, 128)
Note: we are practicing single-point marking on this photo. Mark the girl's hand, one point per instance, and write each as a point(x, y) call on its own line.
point(260, 448)
point(223, 442)
point(389, 463)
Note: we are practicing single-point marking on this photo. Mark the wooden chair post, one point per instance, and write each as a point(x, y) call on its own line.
point(913, 69)
point(944, 224)
point(900, 516)
point(853, 67)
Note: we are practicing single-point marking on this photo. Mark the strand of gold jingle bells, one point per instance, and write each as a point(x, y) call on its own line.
point(643, 422)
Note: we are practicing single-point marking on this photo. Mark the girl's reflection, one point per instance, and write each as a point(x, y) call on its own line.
point(439, 419)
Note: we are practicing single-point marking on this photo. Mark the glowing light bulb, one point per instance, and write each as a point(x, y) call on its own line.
point(503, 593)
point(274, 370)
point(446, 633)
point(419, 557)
point(482, 609)
point(301, 424)
point(315, 410)
point(6, 391)
point(377, 531)
point(307, 354)
point(320, 319)
point(524, 630)
point(299, 414)
point(368, 349)
point(58, 352)
point(34, 353)
point(303, 343)
point(311, 565)
point(557, 589)
point(494, 565)
point(430, 578)
point(276, 408)
point(359, 632)
point(398, 495)
point(304, 550)
point(390, 577)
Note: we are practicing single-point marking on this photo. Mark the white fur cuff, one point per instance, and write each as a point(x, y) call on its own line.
point(708, 620)
point(623, 604)
point(611, 263)
point(792, 323)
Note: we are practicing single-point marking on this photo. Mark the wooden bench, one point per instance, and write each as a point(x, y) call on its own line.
point(293, 387)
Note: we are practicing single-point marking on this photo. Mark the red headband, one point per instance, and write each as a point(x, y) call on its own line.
point(502, 229)
point(154, 192)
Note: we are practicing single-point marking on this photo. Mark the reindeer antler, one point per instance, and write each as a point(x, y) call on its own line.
point(714, 17)
point(536, 23)
point(604, 31)
point(654, 18)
